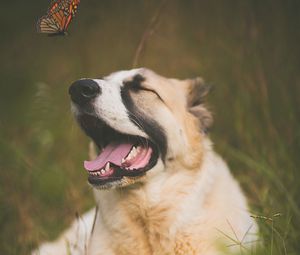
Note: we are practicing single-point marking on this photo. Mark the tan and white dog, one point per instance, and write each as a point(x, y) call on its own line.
point(159, 186)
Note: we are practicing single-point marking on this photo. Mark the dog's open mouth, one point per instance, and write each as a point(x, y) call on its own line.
point(121, 155)
point(119, 159)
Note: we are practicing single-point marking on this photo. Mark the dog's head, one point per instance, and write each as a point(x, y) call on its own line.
point(142, 123)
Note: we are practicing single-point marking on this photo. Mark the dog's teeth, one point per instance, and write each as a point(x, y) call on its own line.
point(134, 152)
point(129, 156)
point(107, 166)
point(122, 160)
point(103, 171)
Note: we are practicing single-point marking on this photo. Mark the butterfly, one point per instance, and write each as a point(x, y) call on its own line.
point(58, 17)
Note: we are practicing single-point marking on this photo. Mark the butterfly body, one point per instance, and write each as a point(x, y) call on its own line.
point(58, 17)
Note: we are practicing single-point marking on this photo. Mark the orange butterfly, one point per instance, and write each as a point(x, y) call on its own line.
point(58, 17)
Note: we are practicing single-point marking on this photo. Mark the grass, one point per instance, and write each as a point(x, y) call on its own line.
point(247, 49)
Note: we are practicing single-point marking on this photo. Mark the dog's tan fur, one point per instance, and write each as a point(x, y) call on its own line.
point(189, 204)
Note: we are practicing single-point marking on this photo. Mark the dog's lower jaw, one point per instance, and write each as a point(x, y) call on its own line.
point(131, 183)
point(123, 183)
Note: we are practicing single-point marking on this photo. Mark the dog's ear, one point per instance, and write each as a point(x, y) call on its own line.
point(197, 91)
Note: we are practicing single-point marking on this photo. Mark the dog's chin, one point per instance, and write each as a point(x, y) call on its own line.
point(123, 159)
point(121, 183)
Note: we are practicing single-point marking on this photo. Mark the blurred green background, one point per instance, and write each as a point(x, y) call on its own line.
point(248, 50)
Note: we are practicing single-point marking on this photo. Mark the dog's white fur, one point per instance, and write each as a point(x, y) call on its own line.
point(189, 204)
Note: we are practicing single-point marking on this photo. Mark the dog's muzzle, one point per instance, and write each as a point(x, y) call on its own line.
point(83, 91)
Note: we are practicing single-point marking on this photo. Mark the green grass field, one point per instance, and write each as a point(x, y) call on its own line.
point(248, 50)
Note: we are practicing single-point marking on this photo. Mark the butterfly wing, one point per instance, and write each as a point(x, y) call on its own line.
point(73, 7)
point(58, 18)
point(47, 24)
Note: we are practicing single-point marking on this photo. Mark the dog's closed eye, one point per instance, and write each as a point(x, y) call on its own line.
point(136, 85)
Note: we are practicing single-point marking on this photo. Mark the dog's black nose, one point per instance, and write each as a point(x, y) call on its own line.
point(82, 91)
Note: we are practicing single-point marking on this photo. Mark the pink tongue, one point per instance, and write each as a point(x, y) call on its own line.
point(111, 153)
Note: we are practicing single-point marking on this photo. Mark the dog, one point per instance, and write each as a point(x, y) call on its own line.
point(159, 186)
